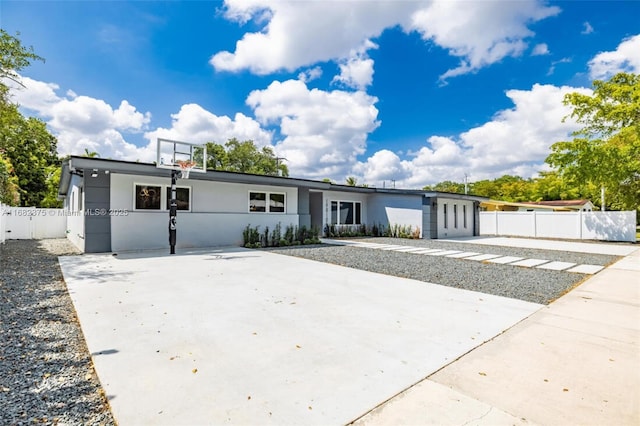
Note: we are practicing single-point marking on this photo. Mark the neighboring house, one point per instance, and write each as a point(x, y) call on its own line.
point(118, 205)
point(530, 206)
point(573, 205)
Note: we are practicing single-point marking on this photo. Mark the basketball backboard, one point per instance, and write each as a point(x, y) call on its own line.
point(170, 153)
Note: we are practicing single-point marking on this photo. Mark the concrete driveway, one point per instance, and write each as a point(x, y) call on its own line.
point(237, 336)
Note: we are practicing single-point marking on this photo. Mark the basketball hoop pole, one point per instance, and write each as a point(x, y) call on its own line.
point(173, 211)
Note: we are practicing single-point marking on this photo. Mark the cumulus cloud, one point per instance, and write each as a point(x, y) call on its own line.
point(295, 34)
point(480, 33)
point(322, 132)
point(83, 122)
point(540, 50)
point(626, 58)
point(310, 74)
point(197, 125)
point(302, 33)
point(357, 70)
point(516, 141)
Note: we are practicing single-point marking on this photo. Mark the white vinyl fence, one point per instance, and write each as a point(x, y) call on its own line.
point(604, 226)
point(29, 223)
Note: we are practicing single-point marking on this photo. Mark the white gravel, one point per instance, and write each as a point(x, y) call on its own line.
point(46, 374)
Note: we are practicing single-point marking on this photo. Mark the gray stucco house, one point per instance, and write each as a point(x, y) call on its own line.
point(119, 206)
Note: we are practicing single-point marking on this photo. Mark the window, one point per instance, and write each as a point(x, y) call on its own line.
point(258, 202)
point(183, 197)
point(464, 215)
point(148, 197)
point(455, 216)
point(446, 218)
point(346, 213)
point(276, 203)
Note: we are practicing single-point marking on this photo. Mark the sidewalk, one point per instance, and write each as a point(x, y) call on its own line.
point(573, 362)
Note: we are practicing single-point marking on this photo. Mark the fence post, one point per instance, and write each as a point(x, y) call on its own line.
point(580, 219)
point(535, 224)
point(495, 215)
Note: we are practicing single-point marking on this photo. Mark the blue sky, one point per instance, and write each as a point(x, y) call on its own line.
point(411, 91)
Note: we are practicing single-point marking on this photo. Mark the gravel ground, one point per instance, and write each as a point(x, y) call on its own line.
point(46, 374)
point(530, 284)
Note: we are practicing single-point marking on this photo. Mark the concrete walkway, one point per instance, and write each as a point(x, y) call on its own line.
point(496, 258)
point(247, 337)
point(575, 362)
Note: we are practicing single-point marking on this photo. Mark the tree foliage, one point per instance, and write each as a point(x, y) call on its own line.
point(244, 157)
point(605, 151)
point(13, 58)
point(27, 149)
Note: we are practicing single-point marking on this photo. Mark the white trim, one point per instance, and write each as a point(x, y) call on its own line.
point(330, 222)
point(267, 201)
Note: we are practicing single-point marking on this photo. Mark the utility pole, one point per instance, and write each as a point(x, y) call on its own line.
point(602, 207)
point(466, 184)
point(278, 164)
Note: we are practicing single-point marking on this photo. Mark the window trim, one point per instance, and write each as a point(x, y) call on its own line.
point(167, 200)
point(267, 201)
point(446, 218)
point(135, 196)
point(355, 211)
point(163, 197)
point(455, 216)
point(464, 215)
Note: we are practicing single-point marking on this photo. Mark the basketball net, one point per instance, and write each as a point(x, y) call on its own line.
point(185, 167)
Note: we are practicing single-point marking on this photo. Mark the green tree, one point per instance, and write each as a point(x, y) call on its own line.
point(8, 183)
point(13, 58)
point(244, 157)
point(446, 186)
point(605, 152)
point(351, 181)
point(24, 142)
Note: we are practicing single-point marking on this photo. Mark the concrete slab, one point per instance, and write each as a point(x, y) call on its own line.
point(530, 263)
point(621, 249)
point(556, 266)
point(505, 259)
point(483, 257)
point(586, 269)
point(431, 251)
point(463, 254)
point(574, 362)
point(409, 249)
point(250, 337)
point(446, 252)
point(430, 403)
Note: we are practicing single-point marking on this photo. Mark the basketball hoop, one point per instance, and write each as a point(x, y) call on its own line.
point(185, 167)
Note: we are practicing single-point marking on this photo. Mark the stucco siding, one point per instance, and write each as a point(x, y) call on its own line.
point(219, 213)
point(391, 209)
point(448, 225)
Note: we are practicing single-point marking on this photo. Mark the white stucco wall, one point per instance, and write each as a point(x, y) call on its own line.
point(391, 209)
point(75, 209)
point(219, 213)
point(451, 230)
point(329, 196)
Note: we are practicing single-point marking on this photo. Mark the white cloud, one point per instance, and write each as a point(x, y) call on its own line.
point(516, 142)
point(302, 33)
point(586, 28)
point(357, 70)
point(83, 122)
point(482, 32)
point(626, 58)
point(310, 74)
point(197, 125)
point(323, 132)
point(540, 50)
